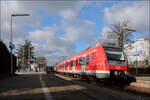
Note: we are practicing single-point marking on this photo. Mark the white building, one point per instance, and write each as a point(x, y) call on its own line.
point(138, 51)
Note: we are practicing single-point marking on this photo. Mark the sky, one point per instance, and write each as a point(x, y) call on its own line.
point(63, 28)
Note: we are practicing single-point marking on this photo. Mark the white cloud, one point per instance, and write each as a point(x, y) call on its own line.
point(44, 38)
point(104, 36)
point(51, 44)
point(18, 23)
point(137, 13)
point(68, 14)
point(36, 9)
point(105, 32)
point(75, 28)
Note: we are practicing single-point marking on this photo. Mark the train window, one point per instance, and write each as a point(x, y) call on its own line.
point(88, 60)
point(71, 63)
point(93, 54)
point(68, 64)
point(80, 61)
point(76, 62)
point(83, 61)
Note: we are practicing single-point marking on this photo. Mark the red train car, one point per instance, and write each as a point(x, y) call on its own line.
point(99, 61)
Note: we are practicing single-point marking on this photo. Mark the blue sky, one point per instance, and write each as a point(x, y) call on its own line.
point(89, 12)
point(66, 28)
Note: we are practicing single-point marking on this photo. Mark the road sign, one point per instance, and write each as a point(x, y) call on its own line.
point(11, 45)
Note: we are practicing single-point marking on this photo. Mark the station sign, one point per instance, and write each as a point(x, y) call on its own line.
point(136, 53)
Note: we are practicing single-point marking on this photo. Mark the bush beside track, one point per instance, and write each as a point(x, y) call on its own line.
point(141, 71)
point(5, 61)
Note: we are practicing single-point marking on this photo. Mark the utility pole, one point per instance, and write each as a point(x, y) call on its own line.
point(11, 47)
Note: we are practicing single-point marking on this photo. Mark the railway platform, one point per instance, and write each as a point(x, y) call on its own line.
point(142, 84)
point(42, 86)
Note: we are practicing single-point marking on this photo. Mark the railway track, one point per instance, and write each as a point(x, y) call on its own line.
point(75, 86)
point(106, 85)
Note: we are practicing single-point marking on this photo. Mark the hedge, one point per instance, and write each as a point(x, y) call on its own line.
point(5, 61)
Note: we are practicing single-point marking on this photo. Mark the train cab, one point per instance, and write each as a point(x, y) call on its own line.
point(117, 62)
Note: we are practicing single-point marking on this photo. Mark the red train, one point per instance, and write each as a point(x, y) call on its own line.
point(102, 62)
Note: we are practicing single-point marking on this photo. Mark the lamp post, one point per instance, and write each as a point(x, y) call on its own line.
point(11, 45)
point(133, 30)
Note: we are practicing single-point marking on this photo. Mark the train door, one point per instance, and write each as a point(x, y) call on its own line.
point(83, 63)
point(92, 61)
point(80, 64)
point(87, 63)
point(76, 68)
point(71, 65)
point(74, 64)
point(68, 66)
point(63, 68)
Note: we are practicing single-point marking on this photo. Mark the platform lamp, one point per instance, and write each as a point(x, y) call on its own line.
point(11, 45)
point(133, 30)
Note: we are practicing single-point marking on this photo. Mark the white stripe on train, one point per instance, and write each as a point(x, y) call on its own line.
point(85, 71)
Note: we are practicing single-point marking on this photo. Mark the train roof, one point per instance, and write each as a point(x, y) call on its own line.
point(80, 53)
point(104, 45)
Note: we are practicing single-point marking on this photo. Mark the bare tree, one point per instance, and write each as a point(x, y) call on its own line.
point(41, 60)
point(118, 30)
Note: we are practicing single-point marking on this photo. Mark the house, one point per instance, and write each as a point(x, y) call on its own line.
point(138, 51)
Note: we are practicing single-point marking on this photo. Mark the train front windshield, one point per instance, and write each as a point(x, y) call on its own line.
point(115, 56)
